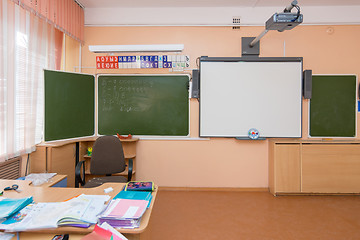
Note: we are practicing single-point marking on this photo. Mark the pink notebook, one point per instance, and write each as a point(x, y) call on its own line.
point(126, 208)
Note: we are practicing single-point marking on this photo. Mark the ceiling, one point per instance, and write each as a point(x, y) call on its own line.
point(210, 3)
point(208, 12)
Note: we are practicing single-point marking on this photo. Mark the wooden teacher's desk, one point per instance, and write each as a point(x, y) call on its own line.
point(55, 194)
point(62, 156)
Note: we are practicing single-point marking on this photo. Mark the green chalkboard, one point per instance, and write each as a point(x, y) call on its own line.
point(69, 105)
point(333, 106)
point(143, 105)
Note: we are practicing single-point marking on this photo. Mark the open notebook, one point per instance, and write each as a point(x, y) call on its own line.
point(81, 211)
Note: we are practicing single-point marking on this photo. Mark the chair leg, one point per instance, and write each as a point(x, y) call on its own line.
point(130, 169)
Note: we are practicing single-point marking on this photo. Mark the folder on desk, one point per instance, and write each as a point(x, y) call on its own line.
point(10, 206)
point(104, 232)
point(134, 195)
point(124, 213)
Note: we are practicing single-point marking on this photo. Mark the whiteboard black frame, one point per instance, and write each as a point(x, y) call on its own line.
point(251, 59)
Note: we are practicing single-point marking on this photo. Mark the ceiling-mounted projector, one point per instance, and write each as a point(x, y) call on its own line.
point(283, 21)
point(279, 21)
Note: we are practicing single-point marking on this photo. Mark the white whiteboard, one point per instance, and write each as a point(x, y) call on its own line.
point(237, 96)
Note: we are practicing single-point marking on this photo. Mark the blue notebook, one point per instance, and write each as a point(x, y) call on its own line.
point(135, 196)
point(9, 206)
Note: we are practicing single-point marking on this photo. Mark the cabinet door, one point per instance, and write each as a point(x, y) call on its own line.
point(287, 168)
point(38, 160)
point(61, 160)
point(331, 168)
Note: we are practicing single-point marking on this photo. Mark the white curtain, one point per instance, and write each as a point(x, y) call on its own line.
point(26, 48)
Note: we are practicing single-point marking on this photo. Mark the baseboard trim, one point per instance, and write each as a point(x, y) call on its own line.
point(316, 194)
point(214, 189)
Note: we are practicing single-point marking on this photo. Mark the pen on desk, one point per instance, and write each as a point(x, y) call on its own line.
point(71, 198)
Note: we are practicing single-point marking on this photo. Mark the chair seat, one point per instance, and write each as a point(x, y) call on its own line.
point(101, 180)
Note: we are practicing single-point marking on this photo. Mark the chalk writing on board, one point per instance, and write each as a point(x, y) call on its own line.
point(122, 95)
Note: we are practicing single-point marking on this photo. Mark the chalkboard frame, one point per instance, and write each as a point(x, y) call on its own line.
point(160, 136)
point(297, 133)
point(356, 92)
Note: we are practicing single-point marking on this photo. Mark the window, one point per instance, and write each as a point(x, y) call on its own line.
point(27, 46)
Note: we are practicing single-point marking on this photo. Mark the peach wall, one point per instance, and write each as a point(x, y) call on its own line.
point(223, 162)
point(71, 55)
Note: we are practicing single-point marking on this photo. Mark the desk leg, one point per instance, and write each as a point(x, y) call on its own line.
point(77, 159)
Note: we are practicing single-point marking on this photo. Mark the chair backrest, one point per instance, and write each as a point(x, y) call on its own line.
point(107, 156)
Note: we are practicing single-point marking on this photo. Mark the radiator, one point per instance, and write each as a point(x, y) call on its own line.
point(10, 169)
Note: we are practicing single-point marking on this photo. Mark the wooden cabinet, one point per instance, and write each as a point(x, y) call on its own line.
point(129, 147)
point(331, 168)
point(58, 159)
point(312, 167)
point(285, 165)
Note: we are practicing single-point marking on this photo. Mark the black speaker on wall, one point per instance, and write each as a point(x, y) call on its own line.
point(195, 93)
point(307, 84)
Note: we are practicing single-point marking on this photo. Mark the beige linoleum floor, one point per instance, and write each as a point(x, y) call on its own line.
point(224, 215)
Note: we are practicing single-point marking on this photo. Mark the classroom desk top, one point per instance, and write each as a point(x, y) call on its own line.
point(52, 181)
point(55, 194)
point(59, 143)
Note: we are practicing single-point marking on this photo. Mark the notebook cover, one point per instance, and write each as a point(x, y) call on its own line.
point(139, 186)
point(135, 195)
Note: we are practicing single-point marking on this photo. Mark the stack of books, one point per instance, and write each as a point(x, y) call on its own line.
point(124, 213)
